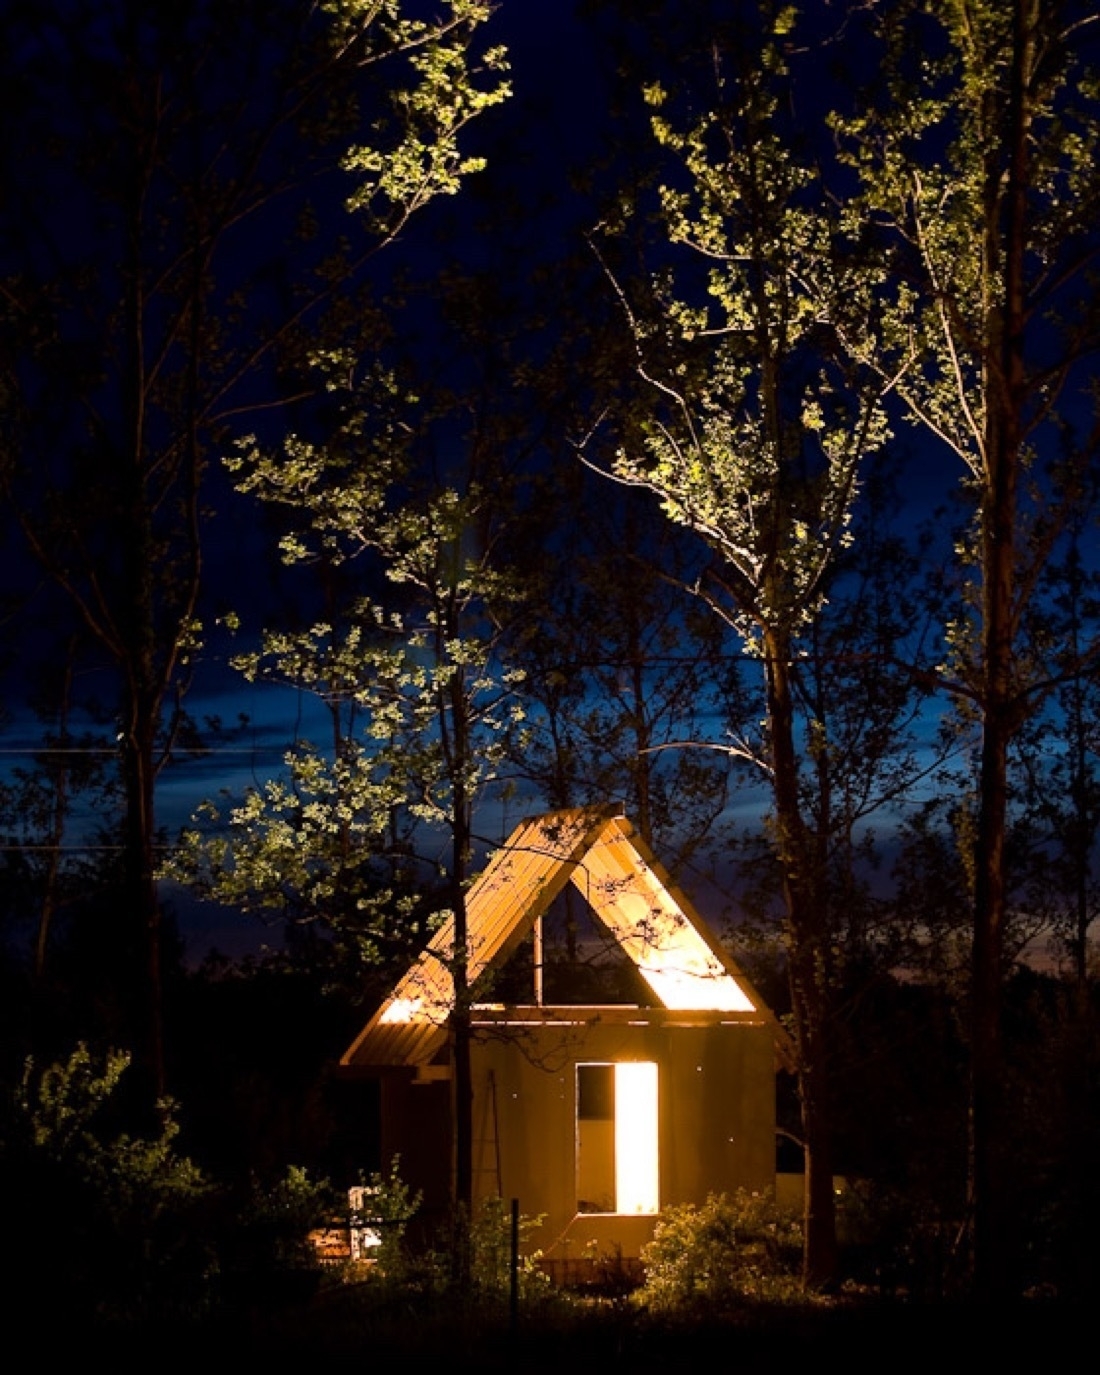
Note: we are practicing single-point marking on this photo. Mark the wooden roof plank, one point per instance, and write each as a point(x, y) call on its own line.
point(599, 852)
point(520, 880)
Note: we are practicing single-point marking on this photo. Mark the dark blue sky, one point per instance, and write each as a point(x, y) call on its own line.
point(557, 123)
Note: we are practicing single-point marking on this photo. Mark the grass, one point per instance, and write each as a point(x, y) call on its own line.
point(348, 1317)
point(568, 1334)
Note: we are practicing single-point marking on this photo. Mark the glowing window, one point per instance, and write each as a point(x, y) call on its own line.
point(617, 1162)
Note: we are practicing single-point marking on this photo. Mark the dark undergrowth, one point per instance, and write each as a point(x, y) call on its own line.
point(567, 1333)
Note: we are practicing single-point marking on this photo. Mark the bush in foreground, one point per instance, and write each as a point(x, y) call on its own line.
point(732, 1249)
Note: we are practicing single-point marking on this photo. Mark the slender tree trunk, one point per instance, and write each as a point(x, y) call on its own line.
point(58, 824)
point(1081, 830)
point(820, 1259)
point(138, 739)
point(992, 1246)
point(142, 903)
point(991, 1241)
point(462, 1080)
point(805, 959)
point(994, 1241)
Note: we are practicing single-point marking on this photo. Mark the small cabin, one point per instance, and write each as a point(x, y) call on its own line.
point(593, 1116)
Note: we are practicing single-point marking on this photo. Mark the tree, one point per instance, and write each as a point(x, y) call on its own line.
point(421, 703)
point(1065, 788)
point(36, 806)
point(754, 439)
point(979, 196)
point(180, 139)
point(624, 669)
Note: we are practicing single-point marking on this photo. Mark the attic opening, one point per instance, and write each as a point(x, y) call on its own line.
point(629, 948)
point(617, 1163)
point(567, 959)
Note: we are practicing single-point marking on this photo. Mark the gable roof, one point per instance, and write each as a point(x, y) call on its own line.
point(600, 853)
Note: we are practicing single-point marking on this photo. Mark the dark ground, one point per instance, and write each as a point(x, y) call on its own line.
point(868, 1335)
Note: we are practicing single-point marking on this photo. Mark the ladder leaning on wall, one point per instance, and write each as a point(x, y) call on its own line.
point(488, 1179)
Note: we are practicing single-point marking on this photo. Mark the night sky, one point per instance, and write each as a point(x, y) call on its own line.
point(557, 125)
point(554, 125)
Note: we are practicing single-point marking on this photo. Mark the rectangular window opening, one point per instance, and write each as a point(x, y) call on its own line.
point(617, 1160)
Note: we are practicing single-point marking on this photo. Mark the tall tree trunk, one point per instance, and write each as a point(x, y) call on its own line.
point(995, 1255)
point(805, 964)
point(462, 1070)
point(141, 899)
point(138, 742)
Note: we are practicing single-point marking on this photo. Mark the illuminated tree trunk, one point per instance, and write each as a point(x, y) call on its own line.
point(993, 1250)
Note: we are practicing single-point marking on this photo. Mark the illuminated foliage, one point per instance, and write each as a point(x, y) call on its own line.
point(112, 1216)
point(329, 844)
point(721, 1254)
point(978, 196)
point(755, 435)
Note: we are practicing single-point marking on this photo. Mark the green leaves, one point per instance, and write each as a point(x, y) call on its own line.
point(938, 179)
point(758, 423)
point(415, 154)
point(399, 658)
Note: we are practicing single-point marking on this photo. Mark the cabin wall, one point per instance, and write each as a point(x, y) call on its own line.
point(716, 1111)
point(416, 1134)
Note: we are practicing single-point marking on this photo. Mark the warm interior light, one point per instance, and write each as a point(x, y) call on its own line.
point(365, 1236)
point(400, 1010)
point(637, 1177)
point(673, 958)
point(617, 1158)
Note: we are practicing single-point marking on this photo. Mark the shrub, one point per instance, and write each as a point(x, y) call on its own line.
point(270, 1229)
point(123, 1231)
point(491, 1252)
point(109, 1222)
point(382, 1208)
point(729, 1250)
